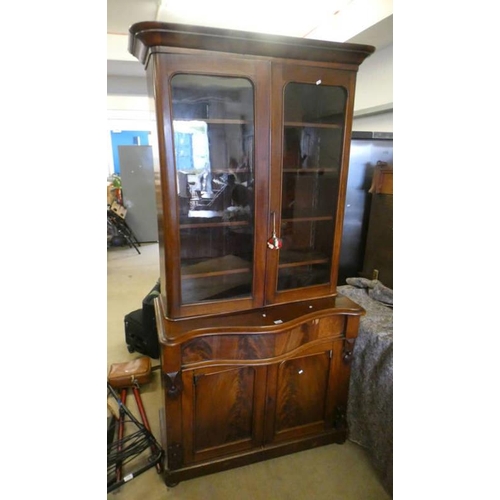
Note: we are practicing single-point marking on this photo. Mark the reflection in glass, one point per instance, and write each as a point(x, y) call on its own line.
point(312, 153)
point(213, 141)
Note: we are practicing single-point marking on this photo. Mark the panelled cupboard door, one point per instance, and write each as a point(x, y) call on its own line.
point(213, 124)
point(233, 409)
point(223, 410)
point(303, 394)
point(310, 127)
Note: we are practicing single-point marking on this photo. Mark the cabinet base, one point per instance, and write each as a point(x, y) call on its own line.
point(173, 477)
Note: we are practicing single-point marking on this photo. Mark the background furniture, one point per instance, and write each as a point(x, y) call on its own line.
point(134, 449)
point(378, 261)
point(118, 228)
point(138, 186)
point(254, 133)
point(367, 149)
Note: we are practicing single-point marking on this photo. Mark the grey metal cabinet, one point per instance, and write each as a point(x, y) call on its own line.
point(138, 186)
point(367, 148)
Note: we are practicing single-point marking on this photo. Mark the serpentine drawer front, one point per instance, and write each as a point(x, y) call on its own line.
point(250, 346)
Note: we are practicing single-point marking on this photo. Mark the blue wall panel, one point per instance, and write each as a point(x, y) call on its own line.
point(127, 138)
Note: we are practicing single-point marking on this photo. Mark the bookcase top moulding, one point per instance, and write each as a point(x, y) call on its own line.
point(149, 36)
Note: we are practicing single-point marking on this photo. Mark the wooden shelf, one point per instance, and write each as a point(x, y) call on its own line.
point(216, 273)
point(301, 171)
point(238, 223)
point(216, 121)
point(308, 218)
point(314, 125)
point(303, 263)
point(296, 259)
point(220, 266)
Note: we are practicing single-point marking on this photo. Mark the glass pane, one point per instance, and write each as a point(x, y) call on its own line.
point(312, 152)
point(213, 140)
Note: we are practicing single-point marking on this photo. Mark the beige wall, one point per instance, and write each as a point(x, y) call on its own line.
point(374, 82)
point(373, 102)
point(380, 122)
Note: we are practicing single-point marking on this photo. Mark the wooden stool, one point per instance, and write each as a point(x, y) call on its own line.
point(130, 374)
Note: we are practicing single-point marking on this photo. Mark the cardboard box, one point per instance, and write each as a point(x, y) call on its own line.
point(119, 209)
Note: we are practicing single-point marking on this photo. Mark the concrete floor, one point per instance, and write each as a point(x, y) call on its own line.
point(333, 472)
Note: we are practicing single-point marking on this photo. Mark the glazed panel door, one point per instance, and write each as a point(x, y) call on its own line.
point(311, 118)
point(217, 153)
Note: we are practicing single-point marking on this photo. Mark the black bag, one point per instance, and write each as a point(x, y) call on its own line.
point(140, 327)
point(148, 308)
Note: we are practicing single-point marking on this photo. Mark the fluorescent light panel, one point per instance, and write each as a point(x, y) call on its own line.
point(262, 16)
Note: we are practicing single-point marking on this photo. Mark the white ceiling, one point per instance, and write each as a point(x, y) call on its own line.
point(358, 21)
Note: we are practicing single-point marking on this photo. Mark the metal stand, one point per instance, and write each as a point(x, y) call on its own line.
point(128, 450)
point(122, 228)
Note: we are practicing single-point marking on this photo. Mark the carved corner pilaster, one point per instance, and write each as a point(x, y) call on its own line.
point(173, 384)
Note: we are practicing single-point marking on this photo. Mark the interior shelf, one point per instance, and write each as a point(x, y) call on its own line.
point(217, 121)
point(222, 266)
point(293, 258)
point(214, 224)
point(313, 125)
point(307, 170)
point(303, 216)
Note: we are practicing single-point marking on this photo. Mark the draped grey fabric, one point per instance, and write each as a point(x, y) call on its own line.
point(369, 409)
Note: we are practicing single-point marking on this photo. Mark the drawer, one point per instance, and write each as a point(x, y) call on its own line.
point(254, 346)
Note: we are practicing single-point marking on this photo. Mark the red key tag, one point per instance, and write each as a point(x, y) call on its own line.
point(274, 243)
